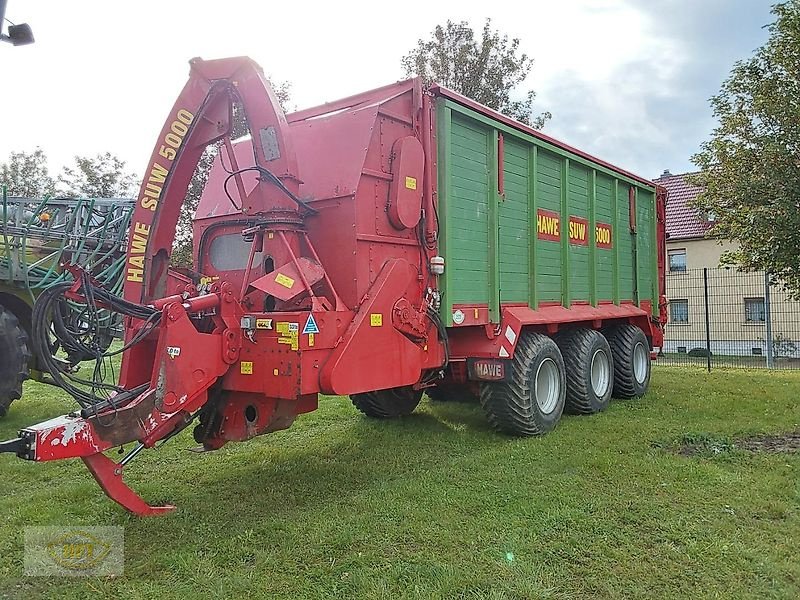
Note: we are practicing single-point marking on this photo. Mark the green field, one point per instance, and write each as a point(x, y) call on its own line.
point(438, 506)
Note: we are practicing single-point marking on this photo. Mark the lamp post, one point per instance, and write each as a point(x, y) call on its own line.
point(18, 35)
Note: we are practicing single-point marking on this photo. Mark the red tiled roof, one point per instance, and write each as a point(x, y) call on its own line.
point(683, 221)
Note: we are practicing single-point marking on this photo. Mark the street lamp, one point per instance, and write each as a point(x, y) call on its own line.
point(18, 35)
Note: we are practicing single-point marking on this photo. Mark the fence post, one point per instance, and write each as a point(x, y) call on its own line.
point(708, 320)
point(768, 322)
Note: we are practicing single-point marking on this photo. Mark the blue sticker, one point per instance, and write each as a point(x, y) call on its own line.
point(311, 325)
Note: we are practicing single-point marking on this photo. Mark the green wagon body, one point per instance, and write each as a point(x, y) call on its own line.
point(500, 191)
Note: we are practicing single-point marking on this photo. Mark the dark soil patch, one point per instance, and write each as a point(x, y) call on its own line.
point(787, 442)
point(707, 445)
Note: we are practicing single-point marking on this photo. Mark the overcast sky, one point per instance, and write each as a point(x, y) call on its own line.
point(626, 80)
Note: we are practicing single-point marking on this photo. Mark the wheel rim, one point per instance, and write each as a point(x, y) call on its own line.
point(640, 362)
point(601, 373)
point(547, 385)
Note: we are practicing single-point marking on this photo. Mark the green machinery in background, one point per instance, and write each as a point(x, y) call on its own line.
point(37, 238)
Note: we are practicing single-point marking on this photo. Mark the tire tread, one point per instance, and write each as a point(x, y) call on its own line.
point(508, 405)
point(14, 368)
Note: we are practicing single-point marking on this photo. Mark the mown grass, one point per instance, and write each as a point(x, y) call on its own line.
point(438, 506)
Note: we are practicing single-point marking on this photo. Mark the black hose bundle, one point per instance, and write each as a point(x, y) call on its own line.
point(76, 328)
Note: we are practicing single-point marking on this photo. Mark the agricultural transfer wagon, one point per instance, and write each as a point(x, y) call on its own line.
point(37, 236)
point(400, 240)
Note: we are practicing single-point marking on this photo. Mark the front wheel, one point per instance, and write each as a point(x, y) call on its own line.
point(15, 358)
point(631, 352)
point(387, 404)
point(532, 400)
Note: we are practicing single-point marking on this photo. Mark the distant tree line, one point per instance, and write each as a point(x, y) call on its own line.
point(102, 176)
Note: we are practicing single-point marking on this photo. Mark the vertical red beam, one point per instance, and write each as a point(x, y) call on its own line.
point(661, 240)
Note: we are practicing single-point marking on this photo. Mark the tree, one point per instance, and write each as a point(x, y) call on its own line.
point(487, 70)
point(750, 167)
point(25, 174)
point(102, 176)
point(182, 246)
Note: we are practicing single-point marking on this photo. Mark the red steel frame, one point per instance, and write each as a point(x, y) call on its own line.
point(361, 281)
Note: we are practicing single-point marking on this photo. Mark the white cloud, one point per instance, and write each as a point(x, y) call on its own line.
point(103, 75)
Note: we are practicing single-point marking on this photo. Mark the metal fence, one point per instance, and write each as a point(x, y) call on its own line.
point(723, 317)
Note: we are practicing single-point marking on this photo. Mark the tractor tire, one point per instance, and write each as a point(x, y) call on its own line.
point(532, 400)
point(452, 392)
point(631, 353)
point(388, 404)
point(15, 357)
point(590, 370)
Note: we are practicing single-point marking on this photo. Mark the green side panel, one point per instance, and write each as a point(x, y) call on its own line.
point(624, 241)
point(645, 232)
point(515, 225)
point(468, 213)
point(579, 266)
point(604, 256)
point(548, 254)
point(490, 242)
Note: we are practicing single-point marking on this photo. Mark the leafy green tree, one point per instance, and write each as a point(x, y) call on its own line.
point(101, 176)
point(488, 69)
point(750, 167)
point(25, 174)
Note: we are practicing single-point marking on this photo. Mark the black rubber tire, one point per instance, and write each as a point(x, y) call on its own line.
point(511, 406)
point(452, 392)
point(624, 341)
point(15, 358)
point(579, 347)
point(388, 404)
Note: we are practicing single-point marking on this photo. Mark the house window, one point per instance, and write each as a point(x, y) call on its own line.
point(679, 311)
point(754, 310)
point(677, 260)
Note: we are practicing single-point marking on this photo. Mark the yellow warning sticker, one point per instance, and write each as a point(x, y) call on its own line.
point(290, 333)
point(376, 320)
point(411, 183)
point(284, 280)
point(246, 367)
point(263, 323)
point(310, 340)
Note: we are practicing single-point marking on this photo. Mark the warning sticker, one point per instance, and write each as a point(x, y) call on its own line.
point(311, 325)
point(376, 320)
point(289, 332)
point(263, 323)
point(284, 280)
point(411, 183)
point(246, 367)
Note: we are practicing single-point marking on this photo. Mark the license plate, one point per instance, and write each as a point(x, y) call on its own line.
point(487, 369)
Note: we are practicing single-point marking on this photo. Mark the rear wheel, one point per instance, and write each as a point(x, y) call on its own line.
point(15, 357)
point(532, 401)
point(388, 404)
point(631, 352)
point(590, 371)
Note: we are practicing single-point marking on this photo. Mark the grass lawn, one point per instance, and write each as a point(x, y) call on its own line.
point(438, 506)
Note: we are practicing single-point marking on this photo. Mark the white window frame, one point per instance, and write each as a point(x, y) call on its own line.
point(674, 301)
point(676, 252)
